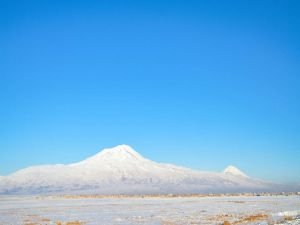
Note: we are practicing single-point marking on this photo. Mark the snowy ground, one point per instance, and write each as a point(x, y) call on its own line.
point(165, 211)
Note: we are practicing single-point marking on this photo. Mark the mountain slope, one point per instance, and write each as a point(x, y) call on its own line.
point(121, 170)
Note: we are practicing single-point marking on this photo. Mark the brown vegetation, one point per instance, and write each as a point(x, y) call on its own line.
point(230, 219)
point(239, 202)
point(226, 223)
point(174, 195)
point(45, 221)
point(164, 222)
point(70, 223)
point(252, 218)
point(288, 218)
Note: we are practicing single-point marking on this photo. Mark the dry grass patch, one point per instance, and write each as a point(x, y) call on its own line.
point(35, 220)
point(252, 218)
point(238, 202)
point(221, 217)
point(231, 219)
point(75, 223)
point(164, 222)
point(288, 218)
point(226, 223)
point(70, 223)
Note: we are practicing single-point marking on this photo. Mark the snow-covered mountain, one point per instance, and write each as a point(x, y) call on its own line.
point(234, 171)
point(121, 170)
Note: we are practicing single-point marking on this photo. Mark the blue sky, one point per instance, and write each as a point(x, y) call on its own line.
point(201, 84)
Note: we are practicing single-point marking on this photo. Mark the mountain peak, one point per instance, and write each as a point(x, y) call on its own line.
point(117, 153)
point(232, 170)
point(120, 149)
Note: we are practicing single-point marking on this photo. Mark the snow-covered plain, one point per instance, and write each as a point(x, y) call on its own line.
point(154, 210)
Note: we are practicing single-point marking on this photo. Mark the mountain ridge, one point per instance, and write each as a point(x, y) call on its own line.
point(122, 170)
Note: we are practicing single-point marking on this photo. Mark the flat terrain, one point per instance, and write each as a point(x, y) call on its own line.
point(32, 210)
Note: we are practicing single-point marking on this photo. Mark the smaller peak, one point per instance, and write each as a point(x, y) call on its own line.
point(232, 170)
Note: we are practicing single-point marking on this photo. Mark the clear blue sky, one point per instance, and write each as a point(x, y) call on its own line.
point(201, 84)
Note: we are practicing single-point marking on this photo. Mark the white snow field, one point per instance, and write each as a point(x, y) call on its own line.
point(59, 210)
point(121, 170)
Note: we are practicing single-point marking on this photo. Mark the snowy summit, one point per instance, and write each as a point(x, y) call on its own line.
point(118, 153)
